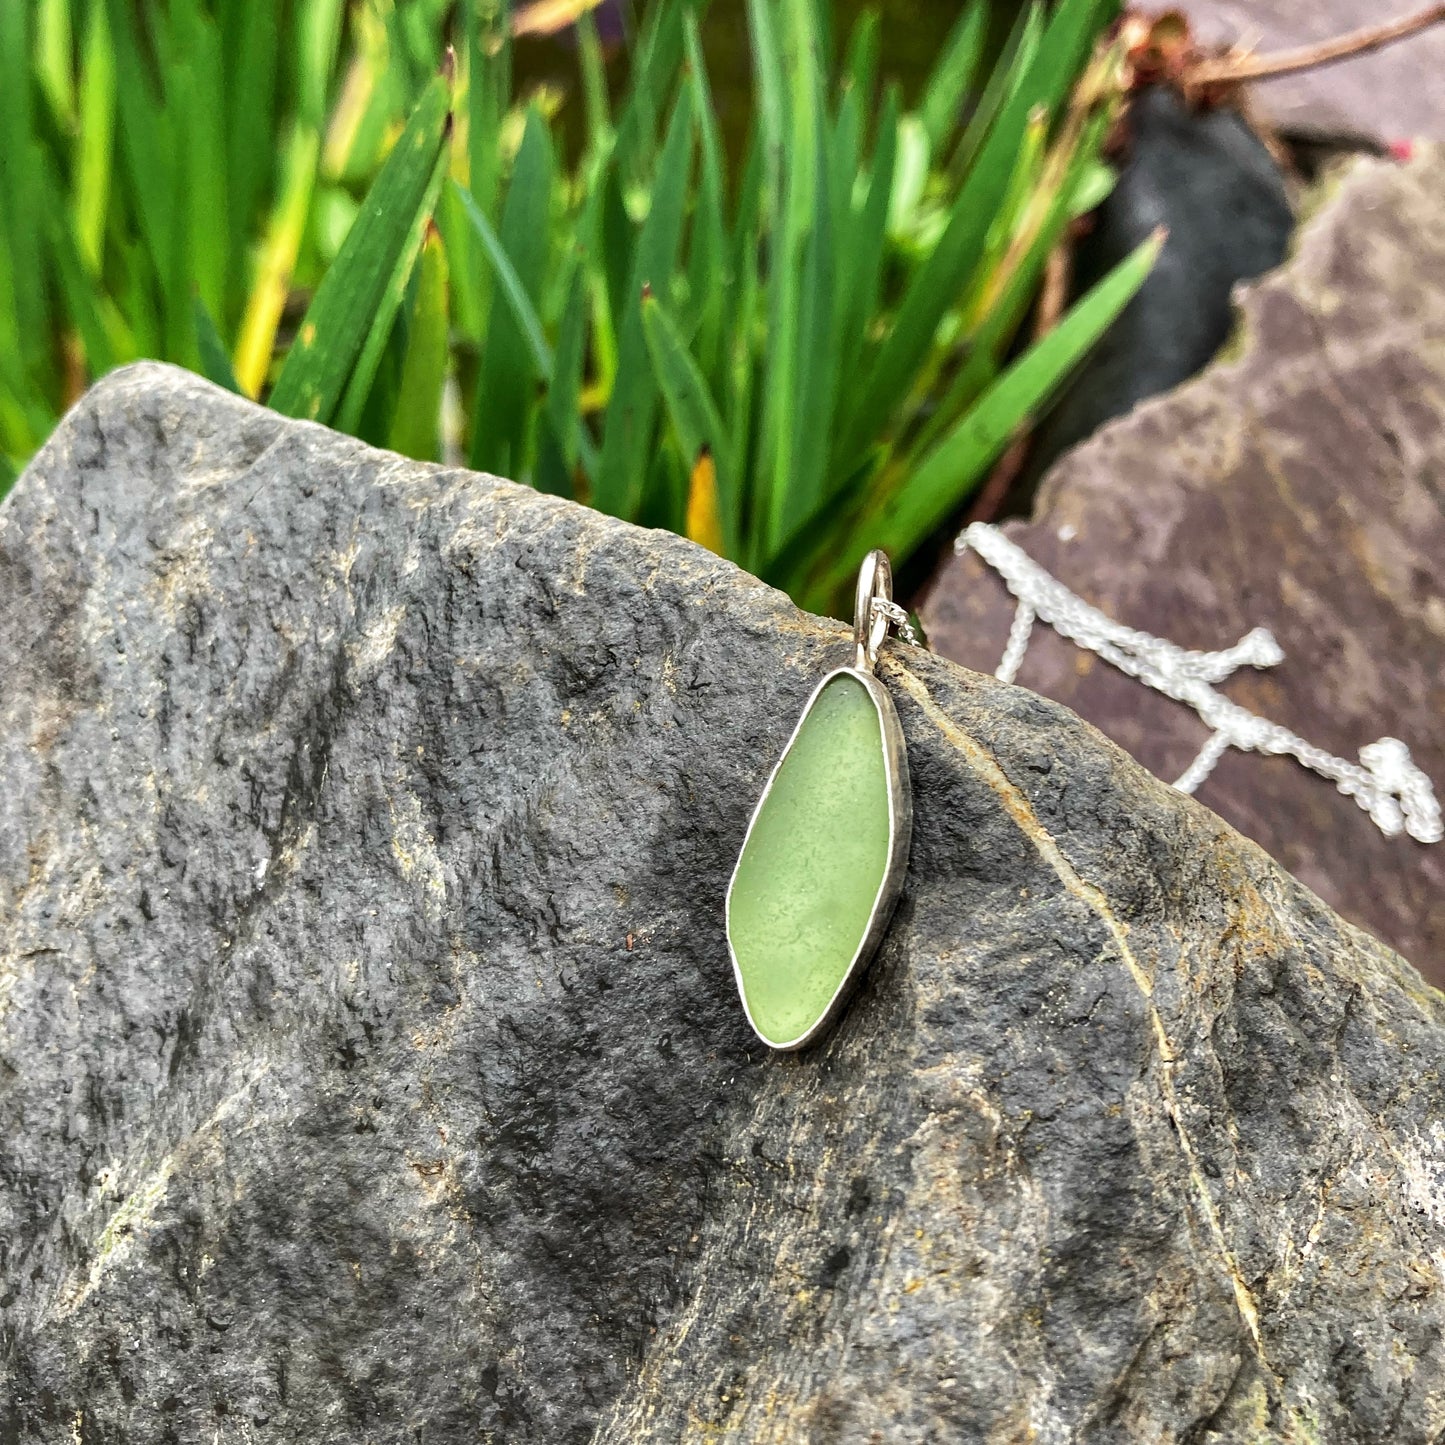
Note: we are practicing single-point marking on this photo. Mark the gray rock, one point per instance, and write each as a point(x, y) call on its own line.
point(1392, 94)
point(370, 1066)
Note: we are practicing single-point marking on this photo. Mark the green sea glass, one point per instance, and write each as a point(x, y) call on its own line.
point(810, 873)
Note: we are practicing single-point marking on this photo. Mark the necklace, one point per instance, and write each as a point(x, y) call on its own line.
point(823, 860)
point(1385, 782)
point(822, 863)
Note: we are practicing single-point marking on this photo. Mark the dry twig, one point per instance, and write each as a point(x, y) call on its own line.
point(1228, 69)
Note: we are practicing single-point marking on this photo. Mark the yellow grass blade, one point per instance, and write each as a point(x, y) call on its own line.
point(257, 339)
point(547, 17)
point(704, 521)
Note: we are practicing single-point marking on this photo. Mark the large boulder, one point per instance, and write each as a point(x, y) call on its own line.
point(370, 1061)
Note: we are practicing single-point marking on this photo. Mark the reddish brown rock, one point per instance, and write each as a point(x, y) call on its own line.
point(1392, 94)
point(1301, 486)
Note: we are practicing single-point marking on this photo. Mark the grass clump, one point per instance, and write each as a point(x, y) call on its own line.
point(791, 359)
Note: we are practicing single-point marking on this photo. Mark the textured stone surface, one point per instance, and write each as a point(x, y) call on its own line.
point(1393, 94)
point(371, 1066)
point(1299, 485)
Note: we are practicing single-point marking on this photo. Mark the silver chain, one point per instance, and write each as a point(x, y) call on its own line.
point(897, 618)
point(1385, 782)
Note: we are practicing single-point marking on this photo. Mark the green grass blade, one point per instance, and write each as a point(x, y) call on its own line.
point(795, 282)
point(81, 301)
point(215, 363)
point(1018, 196)
point(593, 65)
point(53, 42)
point(861, 274)
point(696, 421)
point(736, 379)
point(347, 307)
point(953, 75)
point(911, 176)
point(420, 26)
point(150, 173)
point(1006, 307)
point(564, 439)
point(707, 276)
point(860, 63)
point(1091, 187)
point(94, 141)
point(820, 22)
point(951, 263)
point(467, 314)
point(10, 358)
point(1003, 79)
point(818, 348)
point(318, 36)
point(768, 82)
point(373, 404)
point(20, 185)
point(565, 387)
point(387, 336)
point(25, 421)
point(250, 132)
point(656, 57)
point(512, 289)
point(950, 471)
point(136, 296)
point(489, 93)
point(206, 183)
point(370, 97)
point(618, 243)
point(632, 409)
point(415, 428)
point(485, 97)
point(276, 260)
point(507, 384)
point(822, 534)
point(845, 151)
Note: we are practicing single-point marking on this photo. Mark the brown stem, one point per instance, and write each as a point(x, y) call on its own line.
point(1343, 47)
point(1054, 293)
point(1053, 297)
point(989, 502)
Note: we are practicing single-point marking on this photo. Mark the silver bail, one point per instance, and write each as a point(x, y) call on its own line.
point(870, 622)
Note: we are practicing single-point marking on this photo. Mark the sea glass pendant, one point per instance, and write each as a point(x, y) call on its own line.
point(823, 860)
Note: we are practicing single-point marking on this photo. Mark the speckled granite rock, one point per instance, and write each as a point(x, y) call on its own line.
point(1300, 485)
point(370, 1066)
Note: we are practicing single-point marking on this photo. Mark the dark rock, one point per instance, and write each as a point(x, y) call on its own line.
point(370, 1065)
point(1207, 178)
point(1299, 486)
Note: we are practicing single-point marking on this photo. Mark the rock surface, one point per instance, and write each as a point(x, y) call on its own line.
point(1390, 95)
point(371, 1068)
point(1299, 485)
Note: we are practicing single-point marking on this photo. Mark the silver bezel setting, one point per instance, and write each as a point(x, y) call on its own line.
point(900, 834)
